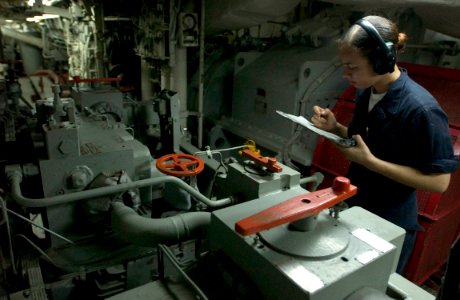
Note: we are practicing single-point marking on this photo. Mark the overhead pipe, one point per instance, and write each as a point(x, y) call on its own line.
point(146, 232)
point(22, 37)
point(14, 175)
point(52, 10)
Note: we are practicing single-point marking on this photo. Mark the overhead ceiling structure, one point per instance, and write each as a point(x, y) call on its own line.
point(438, 15)
point(12, 9)
point(236, 14)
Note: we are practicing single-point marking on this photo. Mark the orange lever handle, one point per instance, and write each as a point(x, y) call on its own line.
point(268, 162)
point(297, 207)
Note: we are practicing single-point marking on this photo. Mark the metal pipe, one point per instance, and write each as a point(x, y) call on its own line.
point(39, 226)
point(22, 37)
point(317, 178)
point(147, 232)
point(100, 46)
point(8, 230)
point(2, 54)
point(15, 178)
point(173, 260)
point(201, 78)
point(52, 10)
point(146, 86)
point(179, 84)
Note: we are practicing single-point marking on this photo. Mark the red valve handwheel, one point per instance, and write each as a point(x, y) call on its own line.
point(180, 165)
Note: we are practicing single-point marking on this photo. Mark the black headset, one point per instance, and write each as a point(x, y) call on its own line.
point(384, 56)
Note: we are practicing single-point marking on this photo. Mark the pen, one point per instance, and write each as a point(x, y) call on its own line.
point(323, 114)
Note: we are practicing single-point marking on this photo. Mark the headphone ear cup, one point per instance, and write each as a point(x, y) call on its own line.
point(385, 59)
point(392, 56)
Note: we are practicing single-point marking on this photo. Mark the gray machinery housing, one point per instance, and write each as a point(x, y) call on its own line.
point(333, 260)
point(304, 77)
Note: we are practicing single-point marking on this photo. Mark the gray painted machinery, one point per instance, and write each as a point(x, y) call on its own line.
point(109, 221)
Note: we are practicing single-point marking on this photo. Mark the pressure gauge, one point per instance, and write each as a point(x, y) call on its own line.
point(188, 35)
point(188, 21)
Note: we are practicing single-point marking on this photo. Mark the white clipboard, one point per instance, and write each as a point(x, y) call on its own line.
point(330, 136)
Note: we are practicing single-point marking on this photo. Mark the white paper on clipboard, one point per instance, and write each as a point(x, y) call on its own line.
point(304, 122)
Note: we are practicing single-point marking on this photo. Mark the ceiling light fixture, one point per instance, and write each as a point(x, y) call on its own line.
point(37, 19)
point(43, 2)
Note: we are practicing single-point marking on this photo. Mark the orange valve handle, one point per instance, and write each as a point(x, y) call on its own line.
point(268, 162)
point(297, 207)
point(180, 165)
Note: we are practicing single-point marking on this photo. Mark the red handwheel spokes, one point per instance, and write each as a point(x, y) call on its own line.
point(180, 164)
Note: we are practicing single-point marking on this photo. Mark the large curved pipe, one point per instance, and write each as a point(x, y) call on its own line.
point(147, 232)
point(15, 178)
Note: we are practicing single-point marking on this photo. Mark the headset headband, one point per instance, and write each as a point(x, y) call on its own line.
point(386, 54)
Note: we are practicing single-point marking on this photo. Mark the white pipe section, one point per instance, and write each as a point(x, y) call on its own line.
point(23, 37)
point(179, 83)
point(200, 77)
point(52, 10)
point(146, 85)
point(15, 178)
point(150, 232)
point(316, 178)
point(165, 78)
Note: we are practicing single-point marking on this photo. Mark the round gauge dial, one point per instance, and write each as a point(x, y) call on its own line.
point(188, 21)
